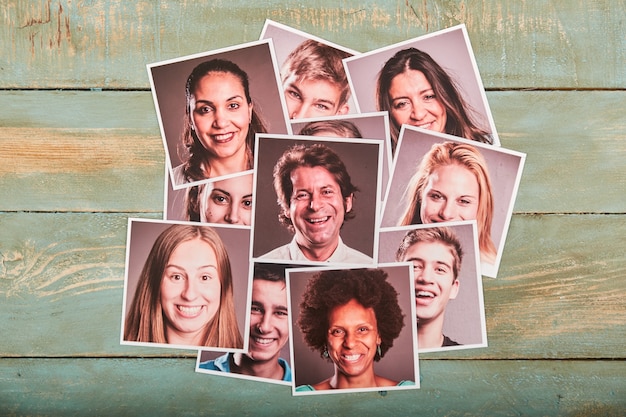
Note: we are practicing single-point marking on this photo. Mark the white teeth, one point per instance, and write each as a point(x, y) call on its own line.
point(323, 219)
point(425, 294)
point(222, 137)
point(351, 357)
point(190, 310)
point(263, 341)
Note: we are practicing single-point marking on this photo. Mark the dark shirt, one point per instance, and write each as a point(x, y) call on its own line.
point(449, 342)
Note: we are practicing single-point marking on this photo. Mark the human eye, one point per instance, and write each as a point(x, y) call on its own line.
point(233, 105)
point(328, 192)
point(466, 201)
point(294, 94)
point(363, 329)
point(247, 203)
point(400, 104)
point(281, 313)
point(302, 196)
point(417, 266)
point(430, 97)
point(206, 277)
point(435, 196)
point(256, 309)
point(441, 270)
point(322, 106)
point(175, 277)
point(219, 198)
point(336, 332)
point(204, 109)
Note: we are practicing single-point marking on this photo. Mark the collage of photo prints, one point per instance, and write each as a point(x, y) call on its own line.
point(328, 213)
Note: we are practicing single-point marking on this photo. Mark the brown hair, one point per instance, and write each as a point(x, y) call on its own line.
point(145, 321)
point(442, 235)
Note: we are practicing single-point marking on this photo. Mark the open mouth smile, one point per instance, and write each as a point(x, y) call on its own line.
point(189, 311)
point(223, 138)
point(318, 220)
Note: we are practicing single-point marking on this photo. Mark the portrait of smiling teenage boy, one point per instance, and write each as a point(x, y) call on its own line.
point(436, 255)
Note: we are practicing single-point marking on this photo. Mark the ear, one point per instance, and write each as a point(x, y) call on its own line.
point(348, 203)
point(454, 291)
point(343, 109)
point(250, 112)
point(286, 212)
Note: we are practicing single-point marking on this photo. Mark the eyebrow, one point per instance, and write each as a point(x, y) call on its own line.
point(420, 92)
point(274, 306)
point(421, 260)
point(235, 97)
point(228, 194)
point(323, 100)
point(441, 192)
point(183, 269)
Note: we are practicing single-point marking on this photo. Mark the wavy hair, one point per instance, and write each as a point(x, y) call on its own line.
point(458, 114)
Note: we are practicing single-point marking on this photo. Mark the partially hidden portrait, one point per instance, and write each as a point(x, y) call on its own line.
point(227, 201)
point(312, 74)
point(449, 304)
point(430, 82)
point(210, 106)
point(351, 319)
point(305, 186)
point(267, 358)
point(180, 285)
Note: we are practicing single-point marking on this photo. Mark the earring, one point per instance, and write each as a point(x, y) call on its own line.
point(380, 355)
point(325, 354)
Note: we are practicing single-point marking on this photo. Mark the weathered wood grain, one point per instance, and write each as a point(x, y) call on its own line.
point(165, 387)
point(102, 151)
point(559, 293)
point(88, 43)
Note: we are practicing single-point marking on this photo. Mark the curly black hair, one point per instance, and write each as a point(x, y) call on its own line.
point(329, 289)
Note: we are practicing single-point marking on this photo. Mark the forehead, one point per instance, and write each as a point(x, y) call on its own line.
point(217, 81)
point(410, 77)
point(453, 176)
point(434, 251)
point(317, 176)
point(271, 292)
point(196, 251)
point(351, 314)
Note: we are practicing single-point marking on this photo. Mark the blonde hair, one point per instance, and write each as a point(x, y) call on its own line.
point(467, 156)
point(145, 321)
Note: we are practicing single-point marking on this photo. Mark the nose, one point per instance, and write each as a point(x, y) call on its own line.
point(423, 275)
point(265, 325)
point(220, 119)
point(232, 215)
point(349, 340)
point(190, 291)
point(447, 211)
point(315, 202)
point(418, 112)
point(299, 111)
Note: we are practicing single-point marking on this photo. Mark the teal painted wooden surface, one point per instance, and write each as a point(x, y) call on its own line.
point(536, 44)
point(166, 387)
point(75, 164)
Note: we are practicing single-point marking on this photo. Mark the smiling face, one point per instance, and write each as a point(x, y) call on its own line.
point(450, 193)
point(434, 278)
point(317, 208)
point(228, 201)
point(352, 338)
point(414, 102)
point(313, 98)
point(221, 115)
point(269, 323)
point(190, 292)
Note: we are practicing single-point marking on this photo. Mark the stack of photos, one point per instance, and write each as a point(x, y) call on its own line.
point(328, 214)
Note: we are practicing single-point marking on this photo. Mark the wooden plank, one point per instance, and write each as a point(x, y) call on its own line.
point(536, 44)
point(160, 387)
point(559, 294)
point(102, 151)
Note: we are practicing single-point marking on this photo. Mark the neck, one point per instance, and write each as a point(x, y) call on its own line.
point(243, 364)
point(343, 381)
point(430, 333)
point(318, 253)
point(190, 339)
